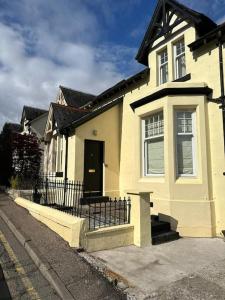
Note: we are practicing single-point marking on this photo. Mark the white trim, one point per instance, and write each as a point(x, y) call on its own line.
point(175, 59)
point(160, 65)
point(144, 150)
point(193, 134)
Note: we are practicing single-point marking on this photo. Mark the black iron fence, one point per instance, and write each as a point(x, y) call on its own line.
point(68, 196)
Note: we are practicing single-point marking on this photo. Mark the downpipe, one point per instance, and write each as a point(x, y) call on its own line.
point(222, 97)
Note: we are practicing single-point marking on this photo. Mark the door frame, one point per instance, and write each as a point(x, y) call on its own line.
point(103, 162)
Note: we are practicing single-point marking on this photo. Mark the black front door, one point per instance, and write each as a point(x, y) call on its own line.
point(93, 168)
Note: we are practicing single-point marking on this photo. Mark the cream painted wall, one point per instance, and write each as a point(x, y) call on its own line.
point(108, 127)
point(194, 206)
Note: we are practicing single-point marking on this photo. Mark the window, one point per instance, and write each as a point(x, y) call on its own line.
point(163, 66)
point(59, 153)
point(185, 142)
point(179, 59)
point(153, 139)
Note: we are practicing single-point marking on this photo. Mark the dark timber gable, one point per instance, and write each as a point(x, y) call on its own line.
point(161, 26)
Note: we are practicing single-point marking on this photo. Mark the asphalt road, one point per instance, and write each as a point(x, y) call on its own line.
point(23, 280)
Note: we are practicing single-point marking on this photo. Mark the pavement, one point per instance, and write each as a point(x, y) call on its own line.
point(23, 279)
point(189, 268)
point(77, 278)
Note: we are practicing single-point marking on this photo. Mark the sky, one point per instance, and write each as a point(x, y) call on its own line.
point(86, 45)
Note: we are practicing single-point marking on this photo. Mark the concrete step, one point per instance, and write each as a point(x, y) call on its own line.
point(160, 227)
point(154, 218)
point(165, 237)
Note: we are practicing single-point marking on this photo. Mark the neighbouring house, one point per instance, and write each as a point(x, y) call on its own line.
point(33, 116)
point(161, 130)
point(33, 121)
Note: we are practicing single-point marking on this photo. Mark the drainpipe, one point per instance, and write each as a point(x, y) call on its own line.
point(222, 97)
point(66, 134)
point(66, 155)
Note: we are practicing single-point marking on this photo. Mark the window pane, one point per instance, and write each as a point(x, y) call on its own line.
point(164, 74)
point(184, 154)
point(163, 67)
point(184, 122)
point(155, 156)
point(181, 66)
point(154, 125)
point(180, 63)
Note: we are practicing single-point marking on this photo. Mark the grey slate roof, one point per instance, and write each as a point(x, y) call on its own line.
point(76, 98)
point(65, 115)
point(31, 113)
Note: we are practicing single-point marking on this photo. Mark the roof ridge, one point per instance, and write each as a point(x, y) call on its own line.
point(69, 107)
point(77, 91)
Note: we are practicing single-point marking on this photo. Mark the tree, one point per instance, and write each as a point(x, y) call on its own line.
point(26, 157)
point(6, 169)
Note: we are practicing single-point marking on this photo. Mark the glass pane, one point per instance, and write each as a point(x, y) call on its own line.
point(164, 74)
point(181, 66)
point(155, 156)
point(184, 122)
point(184, 154)
point(154, 125)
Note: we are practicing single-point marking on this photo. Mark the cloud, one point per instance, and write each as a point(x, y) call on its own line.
point(211, 8)
point(44, 45)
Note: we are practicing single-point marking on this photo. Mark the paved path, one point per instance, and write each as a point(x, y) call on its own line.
point(189, 268)
point(81, 280)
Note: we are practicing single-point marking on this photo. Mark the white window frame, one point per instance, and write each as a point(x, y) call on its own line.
point(144, 146)
point(161, 65)
point(176, 57)
point(194, 139)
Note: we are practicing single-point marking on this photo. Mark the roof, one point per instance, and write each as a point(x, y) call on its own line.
point(76, 98)
point(95, 112)
point(120, 86)
point(217, 33)
point(160, 25)
point(65, 115)
point(31, 113)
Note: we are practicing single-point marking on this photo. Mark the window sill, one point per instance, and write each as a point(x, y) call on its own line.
point(183, 79)
point(157, 179)
point(188, 180)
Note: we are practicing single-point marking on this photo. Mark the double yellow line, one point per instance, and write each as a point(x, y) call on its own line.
point(33, 294)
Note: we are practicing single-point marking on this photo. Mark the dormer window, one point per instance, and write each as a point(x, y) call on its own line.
point(163, 66)
point(179, 59)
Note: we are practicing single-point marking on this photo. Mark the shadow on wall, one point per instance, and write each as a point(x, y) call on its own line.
point(173, 222)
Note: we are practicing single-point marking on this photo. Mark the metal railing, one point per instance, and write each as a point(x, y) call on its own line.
point(68, 196)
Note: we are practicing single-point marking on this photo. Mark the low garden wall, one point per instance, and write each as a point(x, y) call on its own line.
point(70, 228)
point(75, 230)
point(109, 238)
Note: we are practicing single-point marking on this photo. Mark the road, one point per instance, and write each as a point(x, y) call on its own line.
point(22, 277)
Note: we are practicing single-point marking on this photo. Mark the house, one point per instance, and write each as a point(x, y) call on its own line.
point(33, 120)
point(162, 130)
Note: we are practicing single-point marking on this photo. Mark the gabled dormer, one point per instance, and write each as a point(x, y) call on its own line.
point(165, 45)
point(169, 19)
point(73, 98)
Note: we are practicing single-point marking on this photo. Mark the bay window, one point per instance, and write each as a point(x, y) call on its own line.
point(185, 143)
point(179, 59)
point(153, 140)
point(163, 66)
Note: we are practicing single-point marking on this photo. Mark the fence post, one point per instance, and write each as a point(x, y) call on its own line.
point(46, 191)
point(140, 218)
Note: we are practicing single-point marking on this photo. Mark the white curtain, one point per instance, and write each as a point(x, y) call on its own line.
point(155, 156)
point(184, 154)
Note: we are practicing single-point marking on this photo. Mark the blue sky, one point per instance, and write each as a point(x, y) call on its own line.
point(84, 44)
